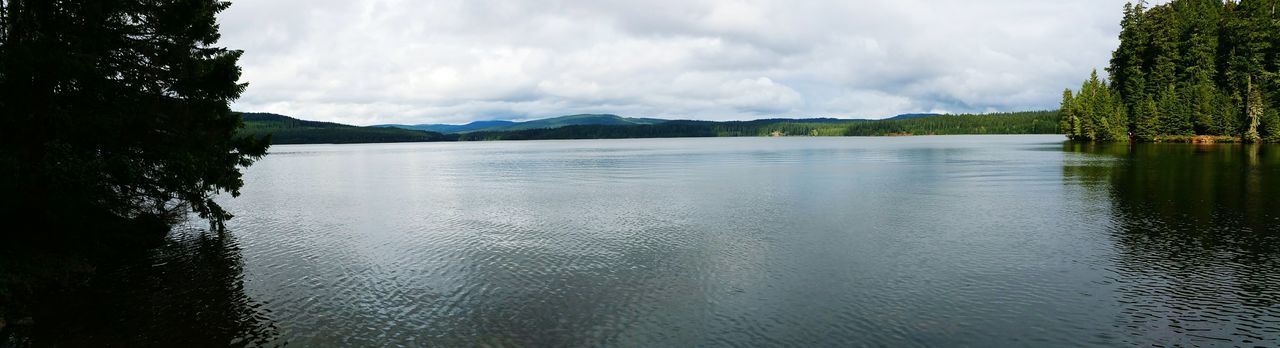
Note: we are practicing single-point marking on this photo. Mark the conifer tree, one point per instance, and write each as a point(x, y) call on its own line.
point(1176, 115)
point(1070, 120)
point(1149, 120)
point(1270, 126)
point(1207, 65)
point(1125, 68)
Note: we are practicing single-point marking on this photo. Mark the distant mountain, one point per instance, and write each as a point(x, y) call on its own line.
point(1032, 122)
point(288, 130)
point(554, 122)
point(911, 116)
point(452, 128)
point(577, 120)
point(807, 120)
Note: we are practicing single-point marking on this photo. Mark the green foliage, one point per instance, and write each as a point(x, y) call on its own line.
point(1150, 118)
point(1069, 123)
point(1097, 113)
point(1034, 122)
point(1172, 105)
point(1124, 61)
point(1196, 59)
point(1270, 126)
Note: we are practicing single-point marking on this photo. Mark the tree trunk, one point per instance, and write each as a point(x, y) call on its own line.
point(1253, 110)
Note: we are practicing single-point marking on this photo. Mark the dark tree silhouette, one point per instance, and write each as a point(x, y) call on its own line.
point(116, 121)
point(118, 109)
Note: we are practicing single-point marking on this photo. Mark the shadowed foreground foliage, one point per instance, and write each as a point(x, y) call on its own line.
point(117, 122)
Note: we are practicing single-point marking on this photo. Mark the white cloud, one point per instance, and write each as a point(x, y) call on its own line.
point(383, 61)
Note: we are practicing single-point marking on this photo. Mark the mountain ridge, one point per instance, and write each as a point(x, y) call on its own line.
point(552, 122)
point(289, 130)
point(596, 119)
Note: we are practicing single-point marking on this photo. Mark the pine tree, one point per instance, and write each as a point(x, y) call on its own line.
point(1194, 59)
point(1070, 120)
point(1100, 111)
point(1126, 62)
point(1149, 122)
point(1270, 126)
point(1085, 109)
point(1203, 102)
point(1161, 52)
point(1171, 106)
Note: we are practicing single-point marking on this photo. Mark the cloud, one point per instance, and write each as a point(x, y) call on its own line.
point(403, 61)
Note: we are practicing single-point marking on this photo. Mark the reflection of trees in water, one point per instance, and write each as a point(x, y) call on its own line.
point(188, 291)
point(1197, 231)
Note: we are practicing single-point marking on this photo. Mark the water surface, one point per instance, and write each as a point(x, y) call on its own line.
point(906, 241)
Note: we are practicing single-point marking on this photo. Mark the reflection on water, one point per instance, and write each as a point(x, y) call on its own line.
point(910, 241)
point(1197, 230)
point(186, 292)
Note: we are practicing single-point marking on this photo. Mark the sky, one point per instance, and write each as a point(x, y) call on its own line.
point(369, 62)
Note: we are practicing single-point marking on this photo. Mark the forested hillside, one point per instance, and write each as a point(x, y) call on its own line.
point(554, 122)
point(1036, 122)
point(288, 130)
point(1185, 68)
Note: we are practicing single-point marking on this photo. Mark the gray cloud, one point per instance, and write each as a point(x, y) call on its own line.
point(404, 61)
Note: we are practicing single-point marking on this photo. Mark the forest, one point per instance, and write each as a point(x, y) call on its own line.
point(1035, 122)
point(287, 130)
point(1185, 71)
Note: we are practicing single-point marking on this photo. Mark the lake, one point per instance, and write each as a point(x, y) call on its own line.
point(886, 241)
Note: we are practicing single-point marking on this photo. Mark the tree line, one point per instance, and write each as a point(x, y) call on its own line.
point(1183, 69)
point(287, 130)
point(1034, 122)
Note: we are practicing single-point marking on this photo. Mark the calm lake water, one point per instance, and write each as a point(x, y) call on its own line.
point(904, 241)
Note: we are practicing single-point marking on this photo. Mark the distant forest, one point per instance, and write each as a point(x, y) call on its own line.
point(287, 130)
point(1036, 122)
point(1187, 70)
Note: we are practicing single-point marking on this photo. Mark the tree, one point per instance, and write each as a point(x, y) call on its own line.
point(1203, 101)
point(1175, 111)
point(1201, 61)
point(1254, 111)
point(1270, 126)
point(118, 109)
point(1099, 110)
point(1149, 120)
point(1069, 124)
point(1126, 68)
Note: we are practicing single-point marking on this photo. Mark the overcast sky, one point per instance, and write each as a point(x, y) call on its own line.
point(453, 61)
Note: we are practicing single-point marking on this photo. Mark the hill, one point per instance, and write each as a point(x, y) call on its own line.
point(554, 122)
point(452, 128)
point(578, 120)
point(288, 130)
point(1035, 122)
point(910, 116)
